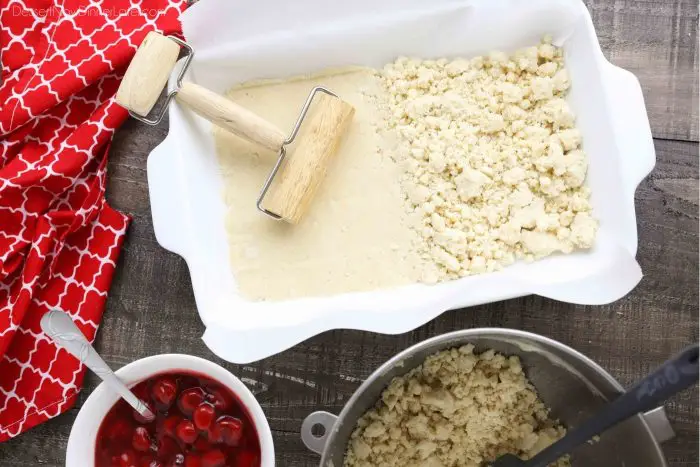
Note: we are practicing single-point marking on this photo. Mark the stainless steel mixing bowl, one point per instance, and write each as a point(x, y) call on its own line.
point(568, 382)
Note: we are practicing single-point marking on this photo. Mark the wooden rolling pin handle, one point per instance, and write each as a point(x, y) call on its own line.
point(227, 114)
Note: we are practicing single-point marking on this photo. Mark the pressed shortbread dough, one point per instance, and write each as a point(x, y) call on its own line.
point(353, 238)
point(449, 168)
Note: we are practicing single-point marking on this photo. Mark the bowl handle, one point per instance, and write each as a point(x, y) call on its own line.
point(659, 425)
point(315, 443)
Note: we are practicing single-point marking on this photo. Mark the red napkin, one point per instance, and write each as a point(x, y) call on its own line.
point(59, 239)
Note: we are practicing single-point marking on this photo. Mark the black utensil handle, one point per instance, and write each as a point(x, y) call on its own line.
point(675, 375)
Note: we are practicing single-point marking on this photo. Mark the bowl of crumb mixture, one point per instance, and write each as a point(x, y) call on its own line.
point(466, 397)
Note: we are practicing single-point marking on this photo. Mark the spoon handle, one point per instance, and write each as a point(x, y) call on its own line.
point(62, 330)
point(672, 377)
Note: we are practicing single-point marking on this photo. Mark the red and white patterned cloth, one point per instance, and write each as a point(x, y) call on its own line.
point(59, 240)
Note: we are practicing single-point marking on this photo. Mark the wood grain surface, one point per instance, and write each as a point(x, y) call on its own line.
point(151, 308)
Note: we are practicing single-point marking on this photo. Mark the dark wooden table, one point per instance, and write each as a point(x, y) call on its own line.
point(151, 308)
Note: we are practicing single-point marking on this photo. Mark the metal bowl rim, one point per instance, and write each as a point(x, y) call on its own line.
point(481, 332)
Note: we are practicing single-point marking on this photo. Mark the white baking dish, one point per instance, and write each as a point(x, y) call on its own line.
point(243, 40)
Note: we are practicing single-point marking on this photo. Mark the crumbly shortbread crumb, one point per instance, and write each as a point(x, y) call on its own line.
point(493, 166)
point(456, 409)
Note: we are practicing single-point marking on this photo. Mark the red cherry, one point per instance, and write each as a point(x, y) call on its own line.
point(120, 430)
point(186, 432)
point(202, 445)
point(141, 441)
point(220, 398)
point(167, 448)
point(190, 399)
point(214, 458)
point(127, 459)
point(213, 434)
point(105, 455)
point(149, 461)
point(193, 460)
point(164, 391)
point(140, 390)
point(247, 459)
point(170, 424)
point(204, 415)
point(229, 429)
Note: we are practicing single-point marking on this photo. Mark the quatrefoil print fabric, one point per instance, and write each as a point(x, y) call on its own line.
point(59, 240)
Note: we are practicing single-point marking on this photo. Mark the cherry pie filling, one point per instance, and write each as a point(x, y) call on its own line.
point(199, 423)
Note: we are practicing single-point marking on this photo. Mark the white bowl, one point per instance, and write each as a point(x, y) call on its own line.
point(81, 443)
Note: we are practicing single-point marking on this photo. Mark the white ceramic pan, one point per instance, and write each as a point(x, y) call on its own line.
point(249, 39)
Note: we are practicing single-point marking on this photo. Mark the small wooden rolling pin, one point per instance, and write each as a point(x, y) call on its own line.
point(302, 170)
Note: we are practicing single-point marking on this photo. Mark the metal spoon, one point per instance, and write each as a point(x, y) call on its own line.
point(62, 330)
point(675, 375)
